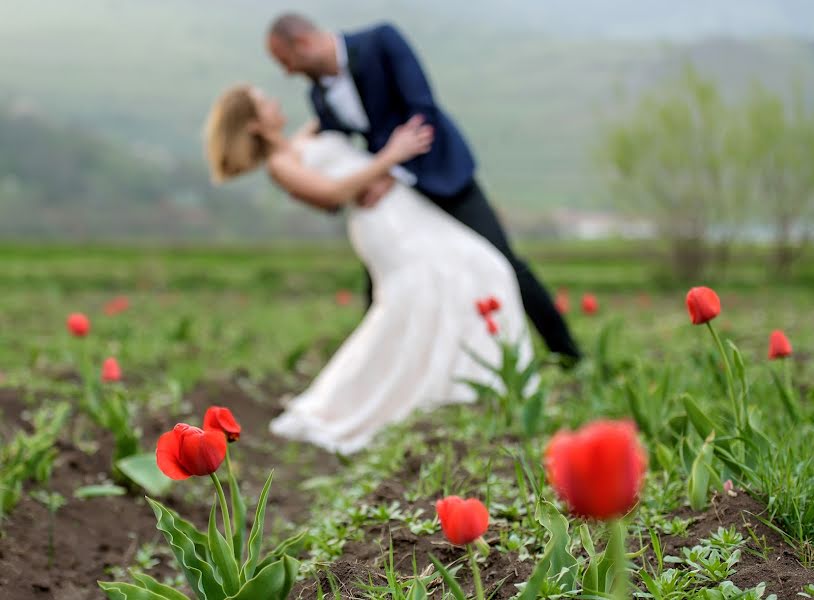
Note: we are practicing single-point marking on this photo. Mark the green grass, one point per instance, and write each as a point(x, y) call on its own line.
point(204, 313)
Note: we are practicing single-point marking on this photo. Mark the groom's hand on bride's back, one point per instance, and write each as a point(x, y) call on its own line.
point(376, 191)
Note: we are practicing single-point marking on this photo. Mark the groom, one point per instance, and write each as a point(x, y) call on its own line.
point(369, 82)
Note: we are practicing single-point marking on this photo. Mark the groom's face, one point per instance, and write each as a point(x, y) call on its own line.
point(299, 56)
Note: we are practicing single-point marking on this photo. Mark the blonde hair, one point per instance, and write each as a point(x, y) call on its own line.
point(231, 148)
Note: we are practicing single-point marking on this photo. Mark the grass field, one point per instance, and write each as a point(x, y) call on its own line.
point(245, 328)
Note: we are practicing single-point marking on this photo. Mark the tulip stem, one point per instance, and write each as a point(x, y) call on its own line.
point(616, 546)
point(227, 525)
point(729, 379)
point(475, 572)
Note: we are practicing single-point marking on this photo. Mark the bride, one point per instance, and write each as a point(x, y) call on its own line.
point(414, 345)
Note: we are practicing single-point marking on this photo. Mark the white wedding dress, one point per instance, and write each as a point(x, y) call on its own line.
point(408, 353)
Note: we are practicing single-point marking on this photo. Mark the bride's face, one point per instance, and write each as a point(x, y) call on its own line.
point(269, 114)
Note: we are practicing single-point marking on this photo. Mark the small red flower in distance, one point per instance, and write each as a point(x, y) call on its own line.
point(561, 302)
point(186, 451)
point(703, 305)
point(779, 345)
point(487, 306)
point(117, 305)
point(344, 297)
point(111, 370)
point(463, 521)
point(597, 470)
point(589, 304)
point(222, 419)
point(78, 324)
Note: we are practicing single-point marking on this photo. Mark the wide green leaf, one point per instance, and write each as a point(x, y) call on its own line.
point(142, 470)
point(98, 491)
point(199, 574)
point(223, 556)
point(698, 482)
point(256, 534)
point(162, 590)
point(273, 582)
point(128, 591)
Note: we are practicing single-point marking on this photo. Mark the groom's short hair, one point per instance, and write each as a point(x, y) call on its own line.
point(290, 25)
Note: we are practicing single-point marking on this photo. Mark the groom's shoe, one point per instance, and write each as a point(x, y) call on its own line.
point(568, 362)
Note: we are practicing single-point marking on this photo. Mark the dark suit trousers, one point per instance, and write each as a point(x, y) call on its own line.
point(471, 208)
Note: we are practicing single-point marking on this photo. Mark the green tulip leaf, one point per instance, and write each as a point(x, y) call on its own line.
point(128, 591)
point(273, 582)
point(162, 590)
point(223, 556)
point(256, 534)
point(142, 470)
point(199, 574)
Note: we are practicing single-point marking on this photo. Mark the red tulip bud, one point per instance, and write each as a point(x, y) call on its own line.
point(589, 304)
point(561, 303)
point(598, 470)
point(117, 305)
point(483, 307)
point(222, 419)
point(493, 303)
point(463, 521)
point(78, 324)
point(344, 297)
point(703, 305)
point(111, 370)
point(779, 345)
point(186, 451)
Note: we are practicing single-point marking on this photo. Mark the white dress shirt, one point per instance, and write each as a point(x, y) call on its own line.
point(343, 97)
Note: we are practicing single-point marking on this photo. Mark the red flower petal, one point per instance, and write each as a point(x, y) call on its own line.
point(599, 470)
point(201, 452)
point(703, 305)
point(111, 370)
point(779, 345)
point(166, 456)
point(221, 418)
point(463, 521)
point(78, 324)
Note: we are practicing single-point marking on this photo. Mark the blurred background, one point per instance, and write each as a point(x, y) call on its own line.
point(687, 124)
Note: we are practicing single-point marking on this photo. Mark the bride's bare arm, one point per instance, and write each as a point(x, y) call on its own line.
point(316, 189)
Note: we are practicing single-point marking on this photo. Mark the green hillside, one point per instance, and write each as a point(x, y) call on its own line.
point(142, 75)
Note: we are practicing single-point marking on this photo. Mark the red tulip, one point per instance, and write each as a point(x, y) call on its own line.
point(589, 304)
point(343, 297)
point(117, 305)
point(111, 370)
point(598, 470)
point(491, 326)
point(222, 419)
point(703, 305)
point(463, 521)
point(779, 345)
point(78, 324)
point(561, 302)
point(487, 306)
point(187, 451)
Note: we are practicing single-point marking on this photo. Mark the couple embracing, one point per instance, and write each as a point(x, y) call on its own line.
point(416, 217)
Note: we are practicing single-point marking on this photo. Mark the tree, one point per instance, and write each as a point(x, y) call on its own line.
point(670, 161)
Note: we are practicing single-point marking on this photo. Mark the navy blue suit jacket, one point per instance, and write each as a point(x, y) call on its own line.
point(393, 88)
